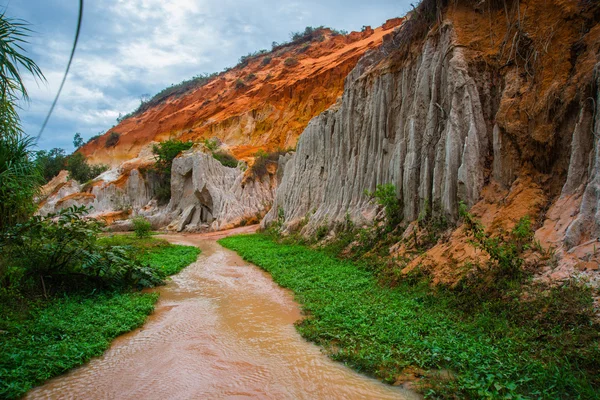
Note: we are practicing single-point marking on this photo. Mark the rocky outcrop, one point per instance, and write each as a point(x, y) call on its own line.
point(421, 128)
point(460, 116)
point(205, 195)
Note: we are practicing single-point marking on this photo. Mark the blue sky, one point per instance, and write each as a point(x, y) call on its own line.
point(129, 48)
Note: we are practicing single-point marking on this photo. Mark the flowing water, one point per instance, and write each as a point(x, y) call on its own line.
point(222, 329)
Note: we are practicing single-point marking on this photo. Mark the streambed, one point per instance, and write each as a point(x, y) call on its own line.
point(221, 329)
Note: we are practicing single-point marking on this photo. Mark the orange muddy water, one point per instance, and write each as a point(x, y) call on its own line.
point(222, 329)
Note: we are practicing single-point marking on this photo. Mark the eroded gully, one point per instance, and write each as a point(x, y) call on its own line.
point(221, 329)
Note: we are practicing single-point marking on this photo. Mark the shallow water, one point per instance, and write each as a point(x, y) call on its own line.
point(222, 329)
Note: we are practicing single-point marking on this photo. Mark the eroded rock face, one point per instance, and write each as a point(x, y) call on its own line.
point(421, 128)
point(444, 128)
point(205, 195)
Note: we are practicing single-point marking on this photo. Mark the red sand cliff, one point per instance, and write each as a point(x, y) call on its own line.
point(269, 111)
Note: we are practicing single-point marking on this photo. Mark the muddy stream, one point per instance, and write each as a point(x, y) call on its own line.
point(222, 329)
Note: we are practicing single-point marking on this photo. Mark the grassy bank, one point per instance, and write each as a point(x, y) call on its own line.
point(41, 338)
point(393, 332)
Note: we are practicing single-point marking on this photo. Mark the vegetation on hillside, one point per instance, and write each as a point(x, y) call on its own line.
point(310, 34)
point(53, 161)
point(225, 158)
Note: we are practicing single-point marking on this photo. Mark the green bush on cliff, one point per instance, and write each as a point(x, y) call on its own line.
point(165, 153)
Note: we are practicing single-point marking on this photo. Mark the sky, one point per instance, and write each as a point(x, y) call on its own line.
point(131, 48)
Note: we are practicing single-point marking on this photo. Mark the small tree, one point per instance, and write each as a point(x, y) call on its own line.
point(141, 227)
point(165, 154)
point(77, 140)
point(80, 170)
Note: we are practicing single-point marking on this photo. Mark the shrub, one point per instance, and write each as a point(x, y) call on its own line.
point(80, 170)
point(61, 250)
point(112, 139)
point(165, 154)
point(226, 159)
point(385, 195)
point(239, 84)
point(141, 227)
point(266, 60)
point(290, 62)
point(262, 159)
point(51, 162)
point(250, 77)
point(504, 249)
point(211, 144)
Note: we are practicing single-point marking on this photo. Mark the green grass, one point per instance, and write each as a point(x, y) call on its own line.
point(381, 331)
point(41, 339)
point(172, 259)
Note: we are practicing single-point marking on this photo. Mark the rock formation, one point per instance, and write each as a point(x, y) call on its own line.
point(495, 107)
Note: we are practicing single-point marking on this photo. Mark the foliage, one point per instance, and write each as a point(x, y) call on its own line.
point(291, 62)
point(171, 259)
point(141, 227)
point(239, 84)
point(504, 249)
point(385, 196)
point(175, 90)
point(266, 60)
point(165, 154)
point(20, 178)
point(93, 138)
point(250, 77)
point(226, 159)
point(262, 159)
point(211, 144)
point(112, 139)
point(382, 331)
point(64, 333)
point(77, 141)
point(42, 339)
point(310, 33)
point(80, 170)
point(55, 250)
point(13, 36)
point(51, 162)
point(244, 60)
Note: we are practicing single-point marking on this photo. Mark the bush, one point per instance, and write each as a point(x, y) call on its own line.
point(385, 195)
point(505, 249)
point(262, 159)
point(226, 159)
point(290, 62)
point(51, 162)
point(239, 84)
point(60, 251)
point(80, 170)
point(165, 154)
point(112, 139)
point(266, 61)
point(250, 77)
point(211, 144)
point(141, 227)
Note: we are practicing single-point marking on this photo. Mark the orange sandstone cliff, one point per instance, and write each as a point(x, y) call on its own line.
point(263, 103)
